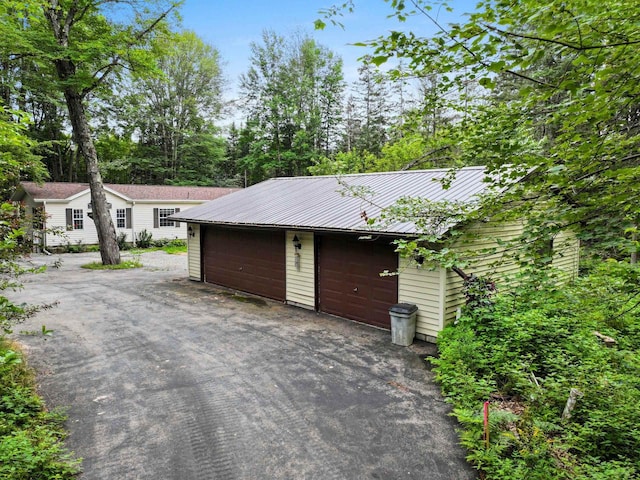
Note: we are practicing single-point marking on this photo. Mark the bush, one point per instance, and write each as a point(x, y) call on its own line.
point(525, 353)
point(143, 239)
point(159, 243)
point(175, 247)
point(167, 242)
point(78, 247)
point(30, 437)
point(176, 242)
point(122, 241)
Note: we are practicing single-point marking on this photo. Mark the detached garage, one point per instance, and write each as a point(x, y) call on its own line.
point(306, 241)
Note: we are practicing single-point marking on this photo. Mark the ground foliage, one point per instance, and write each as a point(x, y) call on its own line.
point(30, 436)
point(524, 354)
point(123, 265)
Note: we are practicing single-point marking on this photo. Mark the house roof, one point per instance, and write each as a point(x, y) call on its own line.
point(64, 191)
point(325, 202)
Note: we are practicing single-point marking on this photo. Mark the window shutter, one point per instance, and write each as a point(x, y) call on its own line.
point(127, 216)
point(177, 224)
point(156, 218)
point(69, 214)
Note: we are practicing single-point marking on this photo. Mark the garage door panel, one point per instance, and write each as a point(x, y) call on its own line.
point(349, 281)
point(251, 261)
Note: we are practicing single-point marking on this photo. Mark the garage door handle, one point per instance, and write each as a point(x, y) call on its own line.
point(355, 290)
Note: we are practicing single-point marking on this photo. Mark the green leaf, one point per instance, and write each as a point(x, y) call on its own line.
point(379, 60)
point(487, 82)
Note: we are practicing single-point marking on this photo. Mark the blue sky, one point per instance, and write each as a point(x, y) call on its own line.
point(231, 26)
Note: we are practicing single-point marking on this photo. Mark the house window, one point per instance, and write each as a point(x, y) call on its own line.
point(160, 217)
point(121, 218)
point(78, 219)
point(163, 214)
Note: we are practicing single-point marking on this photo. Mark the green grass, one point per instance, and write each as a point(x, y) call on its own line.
point(139, 251)
point(30, 436)
point(124, 265)
point(175, 249)
point(170, 249)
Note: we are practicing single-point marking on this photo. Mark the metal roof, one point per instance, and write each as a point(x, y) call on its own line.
point(323, 202)
point(64, 191)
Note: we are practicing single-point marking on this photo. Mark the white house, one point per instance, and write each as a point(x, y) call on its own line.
point(66, 207)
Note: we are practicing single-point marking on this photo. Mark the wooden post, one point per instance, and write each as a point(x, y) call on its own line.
point(486, 424)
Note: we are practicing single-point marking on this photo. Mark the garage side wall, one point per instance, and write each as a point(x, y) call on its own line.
point(566, 254)
point(424, 288)
point(498, 264)
point(300, 270)
point(194, 253)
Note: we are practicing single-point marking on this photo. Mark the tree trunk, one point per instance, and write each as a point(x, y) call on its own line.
point(109, 251)
point(66, 70)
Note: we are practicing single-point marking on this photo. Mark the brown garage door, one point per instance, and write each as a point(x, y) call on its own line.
point(249, 260)
point(349, 281)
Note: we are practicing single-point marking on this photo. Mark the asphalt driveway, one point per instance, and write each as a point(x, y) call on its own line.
point(165, 378)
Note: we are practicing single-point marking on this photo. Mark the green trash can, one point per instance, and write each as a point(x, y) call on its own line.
point(403, 323)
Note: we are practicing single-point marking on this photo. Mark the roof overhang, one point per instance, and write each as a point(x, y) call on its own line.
point(299, 228)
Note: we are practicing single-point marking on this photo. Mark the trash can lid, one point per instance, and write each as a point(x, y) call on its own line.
point(406, 308)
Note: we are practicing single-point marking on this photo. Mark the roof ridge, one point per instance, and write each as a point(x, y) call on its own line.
point(86, 184)
point(395, 172)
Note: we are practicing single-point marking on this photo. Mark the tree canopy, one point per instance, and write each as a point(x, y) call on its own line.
point(556, 91)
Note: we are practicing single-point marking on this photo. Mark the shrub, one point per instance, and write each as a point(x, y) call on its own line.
point(175, 246)
point(167, 242)
point(122, 241)
point(176, 242)
point(78, 247)
point(30, 437)
point(525, 353)
point(160, 242)
point(143, 239)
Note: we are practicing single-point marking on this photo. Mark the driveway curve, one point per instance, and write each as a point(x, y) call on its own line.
point(164, 378)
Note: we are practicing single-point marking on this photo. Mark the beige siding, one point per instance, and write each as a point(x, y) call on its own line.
point(566, 254)
point(424, 288)
point(301, 283)
point(498, 264)
point(193, 253)
point(501, 266)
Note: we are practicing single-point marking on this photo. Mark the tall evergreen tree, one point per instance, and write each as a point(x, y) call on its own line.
point(292, 91)
point(373, 107)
